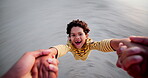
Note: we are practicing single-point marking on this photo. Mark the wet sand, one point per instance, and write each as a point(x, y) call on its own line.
point(28, 25)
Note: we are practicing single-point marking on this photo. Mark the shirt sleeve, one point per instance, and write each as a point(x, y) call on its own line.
point(62, 49)
point(103, 45)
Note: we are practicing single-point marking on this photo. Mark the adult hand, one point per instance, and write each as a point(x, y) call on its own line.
point(130, 59)
point(142, 40)
point(139, 39)
point(23, 66)
point(134, 60)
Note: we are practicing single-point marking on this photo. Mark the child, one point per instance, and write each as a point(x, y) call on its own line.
point(80, 44)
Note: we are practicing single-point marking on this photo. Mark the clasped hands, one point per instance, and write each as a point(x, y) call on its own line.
point(134, 59)
point(35, 64)
point(45, 66)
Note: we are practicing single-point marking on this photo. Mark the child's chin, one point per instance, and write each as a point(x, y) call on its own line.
point(78, 47)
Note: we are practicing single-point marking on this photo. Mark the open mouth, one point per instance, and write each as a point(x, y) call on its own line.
point(78, 42)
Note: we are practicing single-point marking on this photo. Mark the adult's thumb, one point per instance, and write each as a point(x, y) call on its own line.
point(139, 39)
point(39, 53)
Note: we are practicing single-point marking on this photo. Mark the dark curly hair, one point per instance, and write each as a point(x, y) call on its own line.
point(77, 23)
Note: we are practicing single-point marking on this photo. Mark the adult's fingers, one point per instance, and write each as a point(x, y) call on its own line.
point(45, 72)
point(130, 57)
point(144, 67)
point(41, 52)
point(38, 53)
point(54, 68)
point(52, 75)
point(118, 64)
point(131, 60)
point(34, 72)
point(131, 51)
point(139, 39)
point(135, 71)
point(40, 71)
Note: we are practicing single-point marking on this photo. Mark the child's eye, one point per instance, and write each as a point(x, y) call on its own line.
point(80, 34)
point(72, 35)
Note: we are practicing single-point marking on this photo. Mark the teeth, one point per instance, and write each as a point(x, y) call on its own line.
point(78, 42)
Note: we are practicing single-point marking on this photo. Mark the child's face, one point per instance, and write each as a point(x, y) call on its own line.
point(78, 37)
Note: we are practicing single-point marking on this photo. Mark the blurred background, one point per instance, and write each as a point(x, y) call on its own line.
point(28, 25)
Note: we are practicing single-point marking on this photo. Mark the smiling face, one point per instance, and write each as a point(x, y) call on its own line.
point(78, 37)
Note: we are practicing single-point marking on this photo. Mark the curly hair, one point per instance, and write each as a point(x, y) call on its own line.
point(77, 23)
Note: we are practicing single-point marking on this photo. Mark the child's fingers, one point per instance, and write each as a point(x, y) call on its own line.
point(120, 44)
point(53, 61)
point(53, 71)
point(119, 53)
point(121, 49)
point(53, 56)
point(125, 53)
point(53, 68)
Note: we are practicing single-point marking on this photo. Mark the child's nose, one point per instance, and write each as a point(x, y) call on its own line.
point(77, 37)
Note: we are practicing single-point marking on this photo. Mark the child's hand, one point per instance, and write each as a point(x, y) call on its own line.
point(46, 66)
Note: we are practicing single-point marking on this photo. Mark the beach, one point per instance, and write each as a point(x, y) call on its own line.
point(29, 25)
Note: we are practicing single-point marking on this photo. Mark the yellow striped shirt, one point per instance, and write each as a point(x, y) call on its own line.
point(82, 54)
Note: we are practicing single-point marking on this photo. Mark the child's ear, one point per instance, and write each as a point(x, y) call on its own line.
point(87, 35)
point(69, 38)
